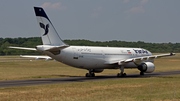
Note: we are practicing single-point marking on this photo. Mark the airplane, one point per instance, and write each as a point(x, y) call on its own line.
point(93, 59)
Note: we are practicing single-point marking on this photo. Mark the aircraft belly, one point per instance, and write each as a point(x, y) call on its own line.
point(91, 63)
point(130, 65)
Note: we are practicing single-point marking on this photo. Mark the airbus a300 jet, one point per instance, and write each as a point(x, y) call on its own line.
point(93, 59)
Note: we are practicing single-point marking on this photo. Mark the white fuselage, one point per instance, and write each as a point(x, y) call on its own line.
point(87, 57)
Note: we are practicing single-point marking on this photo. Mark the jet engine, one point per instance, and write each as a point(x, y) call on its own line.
point(97, 70)
point(147, 67)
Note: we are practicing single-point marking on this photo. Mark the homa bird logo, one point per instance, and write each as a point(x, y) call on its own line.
point(46, 28)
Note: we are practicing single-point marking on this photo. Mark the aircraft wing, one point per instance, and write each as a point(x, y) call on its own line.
point(46, 48)
point(28, 56)
point(37, 57)
point(22, 48)
point(138, 59)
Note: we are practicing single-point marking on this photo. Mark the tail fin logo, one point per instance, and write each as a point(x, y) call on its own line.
point(46, 28)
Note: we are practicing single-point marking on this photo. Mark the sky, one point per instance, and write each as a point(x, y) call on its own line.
point(154, 21)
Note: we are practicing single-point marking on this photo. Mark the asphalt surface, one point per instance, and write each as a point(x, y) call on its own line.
point(14, 83)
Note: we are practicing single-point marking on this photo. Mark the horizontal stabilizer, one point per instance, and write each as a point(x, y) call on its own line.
point(22, 48)
point(50, 47)
point(37, 57)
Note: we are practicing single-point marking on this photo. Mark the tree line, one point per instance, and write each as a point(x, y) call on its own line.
point(34, 41)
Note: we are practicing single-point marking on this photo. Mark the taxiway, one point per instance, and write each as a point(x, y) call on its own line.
point(14, 83)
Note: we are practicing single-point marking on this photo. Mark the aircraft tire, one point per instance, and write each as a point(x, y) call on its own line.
point(92, 75)
point(124, 75)
point(87, 75)
point(121, 75)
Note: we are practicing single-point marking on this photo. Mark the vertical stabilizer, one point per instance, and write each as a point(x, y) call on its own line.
point(48, 33)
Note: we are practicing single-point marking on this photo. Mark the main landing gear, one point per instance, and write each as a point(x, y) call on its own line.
point(90, 74)
point(122, 74)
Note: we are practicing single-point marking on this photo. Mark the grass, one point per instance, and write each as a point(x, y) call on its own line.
point(10, 57)
point(140, 89)
point(10, 70)
point(165, 88)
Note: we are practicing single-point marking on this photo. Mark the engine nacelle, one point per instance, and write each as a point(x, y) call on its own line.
point(147, 67)
point(97, 70)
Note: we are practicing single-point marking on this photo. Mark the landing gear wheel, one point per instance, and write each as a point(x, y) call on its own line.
point(121, 75)
point(141, 73)
point(124, 75)
point(90, 75)
point(87, 75)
